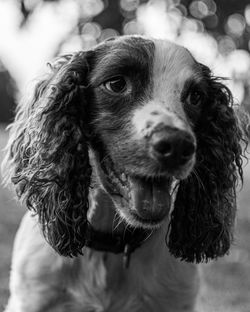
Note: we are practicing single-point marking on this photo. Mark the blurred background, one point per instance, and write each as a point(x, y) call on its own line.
point(217, 32)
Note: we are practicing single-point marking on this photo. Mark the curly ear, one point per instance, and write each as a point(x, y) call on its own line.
point(47, 158)
point(201, 225)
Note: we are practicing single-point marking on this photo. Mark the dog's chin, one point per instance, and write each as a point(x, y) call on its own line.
point(135, 221)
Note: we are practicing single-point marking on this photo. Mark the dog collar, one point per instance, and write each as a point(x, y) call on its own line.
point(125, 243)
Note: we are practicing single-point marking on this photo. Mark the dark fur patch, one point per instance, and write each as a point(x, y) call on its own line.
point(133, 58)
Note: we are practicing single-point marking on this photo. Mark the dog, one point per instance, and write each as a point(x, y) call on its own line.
point(127, 157)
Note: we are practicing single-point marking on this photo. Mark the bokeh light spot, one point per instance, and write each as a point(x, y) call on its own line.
point(108, 33)
point(198, 9)
point(240, 61)
point(157, 21)
point(175, 2)
point(132, 27)
point(247, 14)
point(190, 25)
point(92, 29)
point(129, 5)
point(211, 5)
point(88, 41)
point(235, 25)
point(182, 9)
point(226, 45)
point(91, 8)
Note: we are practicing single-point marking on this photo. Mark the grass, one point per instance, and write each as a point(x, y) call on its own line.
point(226, 286)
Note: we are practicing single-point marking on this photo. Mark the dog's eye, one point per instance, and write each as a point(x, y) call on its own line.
point(195, 98)
point(116, 84)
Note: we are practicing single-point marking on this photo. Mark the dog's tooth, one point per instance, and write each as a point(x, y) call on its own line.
point(129, 191)
point(123, 177)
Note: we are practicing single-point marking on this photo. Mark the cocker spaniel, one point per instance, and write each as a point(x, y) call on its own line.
point(127, 156)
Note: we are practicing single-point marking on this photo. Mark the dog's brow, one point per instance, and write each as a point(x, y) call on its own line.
point(121, 61)
point(197, 79)
point(115, 65)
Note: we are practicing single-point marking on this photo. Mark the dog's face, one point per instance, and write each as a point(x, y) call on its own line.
point(150, 115)
point(147, 97)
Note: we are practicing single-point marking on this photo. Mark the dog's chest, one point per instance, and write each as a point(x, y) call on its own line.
point(104, 285)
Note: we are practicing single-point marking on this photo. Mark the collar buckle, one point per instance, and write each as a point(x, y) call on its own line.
point(126, 256)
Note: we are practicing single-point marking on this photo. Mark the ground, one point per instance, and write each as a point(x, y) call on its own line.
point(226, 285)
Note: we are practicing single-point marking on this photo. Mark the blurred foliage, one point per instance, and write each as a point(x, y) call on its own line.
point(224, 19)
point(227, 20)
point(216, 31)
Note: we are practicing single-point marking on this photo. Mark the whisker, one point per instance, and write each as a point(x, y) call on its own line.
point(148, 236)
point(196, 175)
point(119, 222)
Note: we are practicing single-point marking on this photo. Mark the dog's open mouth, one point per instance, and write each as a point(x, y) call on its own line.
point(150, 199)
point(141, 201)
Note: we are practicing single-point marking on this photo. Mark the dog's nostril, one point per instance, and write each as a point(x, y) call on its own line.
point(188, 149)
point(163, 147)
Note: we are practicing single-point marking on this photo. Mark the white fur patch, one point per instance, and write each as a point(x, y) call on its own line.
point(152, 114)
point(172, 66)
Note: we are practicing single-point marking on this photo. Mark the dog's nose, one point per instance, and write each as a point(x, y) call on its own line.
point(172, 145)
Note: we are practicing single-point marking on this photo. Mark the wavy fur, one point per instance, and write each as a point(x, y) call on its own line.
point(48, 155)
point(202, 222)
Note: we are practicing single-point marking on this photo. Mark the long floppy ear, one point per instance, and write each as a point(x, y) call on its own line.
point(201, 226)
point(47, 158)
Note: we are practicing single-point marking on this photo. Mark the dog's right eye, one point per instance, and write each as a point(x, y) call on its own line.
point(116, 85)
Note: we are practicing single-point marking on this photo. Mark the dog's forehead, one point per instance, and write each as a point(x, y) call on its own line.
point(173, 66)
point(129, 48)
point(172, 60)
point(163, 57)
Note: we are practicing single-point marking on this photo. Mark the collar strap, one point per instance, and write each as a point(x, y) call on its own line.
point(125, 243)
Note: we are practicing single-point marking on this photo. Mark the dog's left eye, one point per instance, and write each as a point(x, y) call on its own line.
point(195, 98)
point(116, 85)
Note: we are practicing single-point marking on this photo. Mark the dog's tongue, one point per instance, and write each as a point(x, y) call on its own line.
point(151, 198)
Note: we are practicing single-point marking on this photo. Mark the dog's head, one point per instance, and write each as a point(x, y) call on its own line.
point(150, 115)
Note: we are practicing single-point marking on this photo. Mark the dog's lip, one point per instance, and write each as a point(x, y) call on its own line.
point(150, 222)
